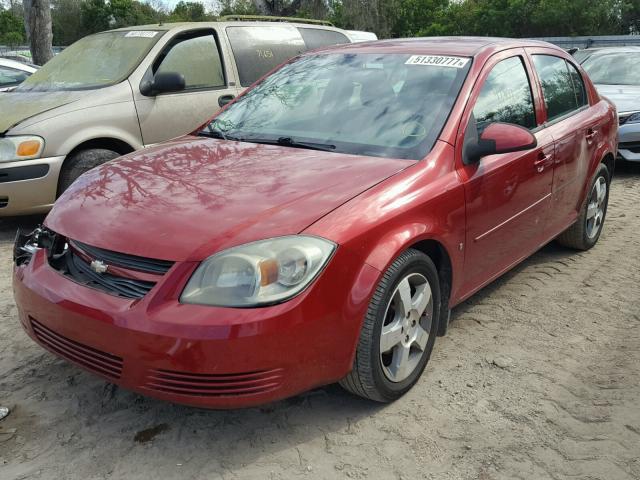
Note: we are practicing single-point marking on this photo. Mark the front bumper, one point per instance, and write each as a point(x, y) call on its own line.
point(629, 142)
point(29, 186)
point(197, 355)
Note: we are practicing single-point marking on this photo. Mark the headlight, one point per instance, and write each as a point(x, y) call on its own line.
point(633, 118)
point(24, 147)
point(259, 273)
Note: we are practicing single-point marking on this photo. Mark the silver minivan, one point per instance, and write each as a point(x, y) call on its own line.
point(118, 91)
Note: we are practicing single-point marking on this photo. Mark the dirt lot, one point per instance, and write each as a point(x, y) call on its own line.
point(539, 377)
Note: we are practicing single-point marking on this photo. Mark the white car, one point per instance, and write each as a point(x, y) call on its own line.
point(13, 73)
point(616, 74)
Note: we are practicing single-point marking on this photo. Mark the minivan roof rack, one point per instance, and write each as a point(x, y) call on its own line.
point(266, 18)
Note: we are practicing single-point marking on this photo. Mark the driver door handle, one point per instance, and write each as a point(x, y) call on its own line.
point(591, 134)
point(542, 162)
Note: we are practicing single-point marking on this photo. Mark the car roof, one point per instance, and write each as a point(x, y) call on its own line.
point(5, 62)
point(463, 46)
point(164, 27)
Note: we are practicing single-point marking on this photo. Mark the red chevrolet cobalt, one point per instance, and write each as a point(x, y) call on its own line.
point(322, 226)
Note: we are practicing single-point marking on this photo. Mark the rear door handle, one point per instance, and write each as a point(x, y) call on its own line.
point(224, 99)
point(542, 162)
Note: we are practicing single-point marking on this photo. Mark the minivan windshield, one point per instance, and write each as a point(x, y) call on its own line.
point(385, 105)
point(95, 61)
point(619, 68)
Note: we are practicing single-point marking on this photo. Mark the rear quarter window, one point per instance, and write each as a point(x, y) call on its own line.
point(318, 37)
point(258, 49)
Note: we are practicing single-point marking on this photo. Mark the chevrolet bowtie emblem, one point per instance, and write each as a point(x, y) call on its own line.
point(99, 266)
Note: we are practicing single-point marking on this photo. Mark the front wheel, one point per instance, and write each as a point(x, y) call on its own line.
point(80, 162)
point(585, 233)
point(399, 330)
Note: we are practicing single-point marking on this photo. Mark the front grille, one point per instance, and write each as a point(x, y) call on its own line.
point(4, 201)
point(214, 385)
point(80, 271)
point(142, 264)
point(131, 276)
point(631, 146)
point(92, 359)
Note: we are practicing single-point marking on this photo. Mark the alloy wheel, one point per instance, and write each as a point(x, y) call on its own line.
point(596, 207)
point(407, 324)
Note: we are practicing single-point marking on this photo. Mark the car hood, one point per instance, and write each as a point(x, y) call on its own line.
point(17, 106)
point(625, 97)
point(191, 197)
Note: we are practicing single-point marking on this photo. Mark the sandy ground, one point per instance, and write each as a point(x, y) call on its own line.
point(539, 377)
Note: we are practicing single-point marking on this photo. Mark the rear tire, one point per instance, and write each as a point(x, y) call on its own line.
point(398, 334)
point(585, 232)
point(80, 162)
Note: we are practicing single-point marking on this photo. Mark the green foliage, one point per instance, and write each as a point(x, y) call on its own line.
point(73, 19)
point(11, 28)
point(189, 12)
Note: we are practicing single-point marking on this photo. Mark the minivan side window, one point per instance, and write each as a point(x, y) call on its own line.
point(259, 49)
point(557, 86)
point(198, 59)
point(319, 37)
point(506, 96)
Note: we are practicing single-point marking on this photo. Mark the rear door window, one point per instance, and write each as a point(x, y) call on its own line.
point(578, 86)
point(318, 37)
point(10, 77)
point(560, 96)
point(259, 49)
point(506, 96)
point(197, 57)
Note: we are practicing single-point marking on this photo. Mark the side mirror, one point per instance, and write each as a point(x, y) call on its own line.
point(164, 82)
point(498, 138)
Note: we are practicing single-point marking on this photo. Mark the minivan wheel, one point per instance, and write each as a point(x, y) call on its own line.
point(399, 330)
point(80, 162)
point(585, 233)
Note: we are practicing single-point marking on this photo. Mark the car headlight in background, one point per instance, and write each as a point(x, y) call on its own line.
point(23, 147)
point(258, 273)
point(633, 118)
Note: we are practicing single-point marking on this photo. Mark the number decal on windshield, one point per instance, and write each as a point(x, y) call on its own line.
point(437, 61)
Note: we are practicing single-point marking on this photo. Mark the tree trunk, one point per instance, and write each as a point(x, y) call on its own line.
point(37, 22)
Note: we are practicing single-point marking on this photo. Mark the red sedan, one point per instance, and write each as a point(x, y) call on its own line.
point(322, 226)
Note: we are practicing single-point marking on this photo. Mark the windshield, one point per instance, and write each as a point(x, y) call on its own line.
point(93, 62)
point(365, 104)
point(621, 68)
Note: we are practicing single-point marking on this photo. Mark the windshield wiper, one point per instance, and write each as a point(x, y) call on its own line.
point(290, 142)
point(216, 133)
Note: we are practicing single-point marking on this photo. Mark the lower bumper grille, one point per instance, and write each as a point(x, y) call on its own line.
point(92, 359)
point(4, 201)
point(631, 146)
point(207, 385)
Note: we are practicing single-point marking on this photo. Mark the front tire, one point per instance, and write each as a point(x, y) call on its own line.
point(399, 330)
point(585, 232)
point(81, 162)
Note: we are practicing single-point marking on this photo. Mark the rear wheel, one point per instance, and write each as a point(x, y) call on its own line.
point(399, 330)
point(80, 162)
point(585, 233)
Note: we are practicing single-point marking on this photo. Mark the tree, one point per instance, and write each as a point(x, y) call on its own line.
point(11, 28)
point(37, 21)
point(189, 12)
